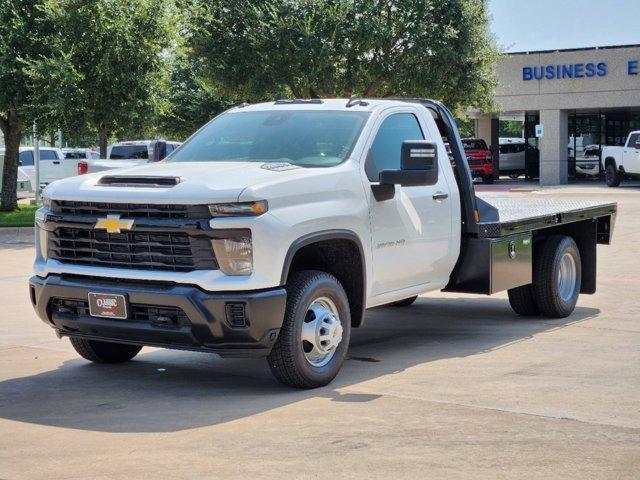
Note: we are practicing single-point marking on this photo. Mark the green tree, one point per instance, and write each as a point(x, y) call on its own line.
point(434, 48)
point(111, 69)
point(192, 100)
point(24, 34)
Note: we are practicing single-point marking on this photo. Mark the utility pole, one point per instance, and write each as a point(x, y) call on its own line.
point(36, 160)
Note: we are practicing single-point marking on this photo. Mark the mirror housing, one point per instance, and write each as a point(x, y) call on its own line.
point(159, 151)
point(418, 165)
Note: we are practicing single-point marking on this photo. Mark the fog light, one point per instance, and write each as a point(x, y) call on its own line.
point(234, 254)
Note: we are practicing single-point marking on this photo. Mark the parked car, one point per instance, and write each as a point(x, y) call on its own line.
point(512, 159)
point(588, 163)
point(129, 154)
point(272, 230)
point(23, 188)
point(479, 158)
point(53, 165)
point(622, 162)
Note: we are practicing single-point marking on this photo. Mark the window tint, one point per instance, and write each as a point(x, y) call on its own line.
point(385, 150)
point(48, 155)
point(474, 145)
point(633, 140)
point(75, 155)
point(170, 148)
point(119, 152)
point(26, 158)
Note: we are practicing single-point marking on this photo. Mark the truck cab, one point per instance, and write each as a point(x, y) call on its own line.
point(276, 225)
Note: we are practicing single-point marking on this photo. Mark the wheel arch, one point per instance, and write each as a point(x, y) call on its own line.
point(319, 250)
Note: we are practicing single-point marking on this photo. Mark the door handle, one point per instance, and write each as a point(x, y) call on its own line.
point(56, 163)
point(440, 196)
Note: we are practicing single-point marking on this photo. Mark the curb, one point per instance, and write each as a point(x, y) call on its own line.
point(17, 235)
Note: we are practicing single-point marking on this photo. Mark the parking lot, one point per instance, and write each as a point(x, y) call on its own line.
point(454, 386)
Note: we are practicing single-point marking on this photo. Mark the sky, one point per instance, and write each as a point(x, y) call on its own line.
point(526, 25)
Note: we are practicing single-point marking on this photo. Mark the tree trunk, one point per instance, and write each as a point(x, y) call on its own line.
point(104, 137)
point(12, 131)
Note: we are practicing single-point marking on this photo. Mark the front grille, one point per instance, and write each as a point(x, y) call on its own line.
point(165, 316)
point(131, 210)
point(149, 250)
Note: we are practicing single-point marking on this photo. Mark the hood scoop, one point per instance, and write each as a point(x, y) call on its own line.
point(138, 181)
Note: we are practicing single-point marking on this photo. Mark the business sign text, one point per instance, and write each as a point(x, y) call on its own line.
point(574, 70)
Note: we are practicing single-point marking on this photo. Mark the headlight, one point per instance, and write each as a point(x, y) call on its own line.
point(46, 202)
point(234, 253)
point(41, 216)
point(239, 209)
point(43, 235)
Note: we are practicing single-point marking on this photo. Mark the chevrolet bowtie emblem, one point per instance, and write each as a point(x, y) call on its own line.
point(114, 224)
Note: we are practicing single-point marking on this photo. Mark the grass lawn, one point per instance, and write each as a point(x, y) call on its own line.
point(21, 218)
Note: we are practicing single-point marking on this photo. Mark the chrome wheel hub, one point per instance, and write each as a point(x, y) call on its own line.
point(567, 277)
point(321, 332)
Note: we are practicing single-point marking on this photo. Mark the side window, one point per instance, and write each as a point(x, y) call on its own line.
point(385, 150)
point(26, 158)
point(633, 140)
point(48, 155)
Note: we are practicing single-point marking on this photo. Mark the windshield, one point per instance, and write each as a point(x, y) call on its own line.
point(474, 145)
point(119, 152)
point(299, 137)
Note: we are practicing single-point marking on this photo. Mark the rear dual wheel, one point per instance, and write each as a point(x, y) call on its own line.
point(557, 277)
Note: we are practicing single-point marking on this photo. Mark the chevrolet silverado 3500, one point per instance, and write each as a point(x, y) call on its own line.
point(273, 228)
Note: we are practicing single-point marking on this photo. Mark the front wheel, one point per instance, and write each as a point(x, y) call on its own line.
point(104, 352)
point(314, 337)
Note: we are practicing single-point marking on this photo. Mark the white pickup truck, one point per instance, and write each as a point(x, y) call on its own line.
point(53, 165)
point(622, 162)
point(273, 228)
point(129, 154)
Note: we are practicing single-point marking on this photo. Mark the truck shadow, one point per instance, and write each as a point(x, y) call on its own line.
point(165, 391)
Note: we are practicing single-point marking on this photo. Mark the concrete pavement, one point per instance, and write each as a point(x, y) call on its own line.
point(452, 387)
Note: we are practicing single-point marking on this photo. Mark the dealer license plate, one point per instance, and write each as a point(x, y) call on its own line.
point(107, 305)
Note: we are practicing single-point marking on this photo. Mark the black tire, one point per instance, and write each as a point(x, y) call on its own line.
point(523, 302)
point(287, 359)
point(404, 303)
point(104, 352)
point(612, 176)
point(488, 180)
point(546, 269)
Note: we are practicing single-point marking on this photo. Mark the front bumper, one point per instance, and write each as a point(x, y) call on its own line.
point(207, 323)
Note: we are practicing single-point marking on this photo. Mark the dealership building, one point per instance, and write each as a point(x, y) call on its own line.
point(567, 99)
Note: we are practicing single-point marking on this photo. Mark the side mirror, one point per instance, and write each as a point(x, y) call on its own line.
point(418, 165)
point(159, 150)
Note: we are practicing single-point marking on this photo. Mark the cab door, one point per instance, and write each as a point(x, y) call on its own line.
point(410, 232)
point(51, 166)
point(631, 154)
